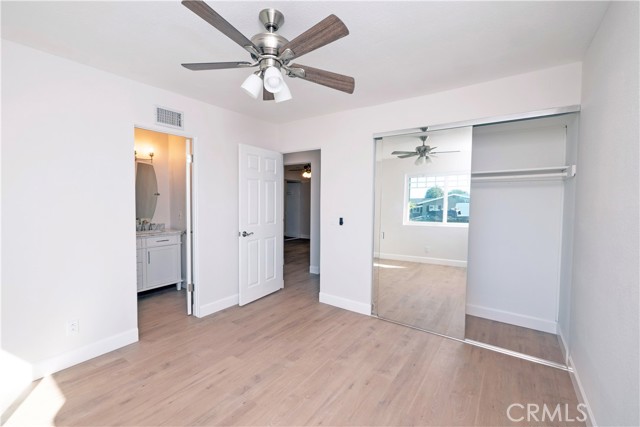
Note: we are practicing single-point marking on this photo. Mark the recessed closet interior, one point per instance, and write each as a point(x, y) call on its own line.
point(475, 241)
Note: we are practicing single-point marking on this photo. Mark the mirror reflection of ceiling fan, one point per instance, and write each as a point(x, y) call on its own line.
point(424, 152)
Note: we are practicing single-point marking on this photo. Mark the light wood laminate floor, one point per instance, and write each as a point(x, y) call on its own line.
point(523, 340)
point(289, 360)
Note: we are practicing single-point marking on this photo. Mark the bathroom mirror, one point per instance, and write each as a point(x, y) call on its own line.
point(146, 191)
point(422, 223)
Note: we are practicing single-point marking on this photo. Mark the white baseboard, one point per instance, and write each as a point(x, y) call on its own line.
point(345, 303)
point(422, 259)
point(82, 354)
point(314, 269)
point(304, 236)
point(218, 305)
point(582, 397)
point(513, 318)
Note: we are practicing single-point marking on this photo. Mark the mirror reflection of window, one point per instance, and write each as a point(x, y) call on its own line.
point(430, 196)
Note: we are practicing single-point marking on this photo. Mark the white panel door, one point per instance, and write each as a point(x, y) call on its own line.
point(261, 223)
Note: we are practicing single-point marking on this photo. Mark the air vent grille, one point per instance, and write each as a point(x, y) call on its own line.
point(170, 118)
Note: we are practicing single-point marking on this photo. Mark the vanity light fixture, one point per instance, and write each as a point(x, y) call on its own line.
point(307, 171)
point(135, 156)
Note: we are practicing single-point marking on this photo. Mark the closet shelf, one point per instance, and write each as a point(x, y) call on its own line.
point(531, 174)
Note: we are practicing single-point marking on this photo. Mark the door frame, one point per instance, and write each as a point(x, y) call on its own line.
point(194, 206)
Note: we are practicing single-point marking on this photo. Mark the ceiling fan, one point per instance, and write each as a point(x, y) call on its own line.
point(424, 152)
point(272, 53)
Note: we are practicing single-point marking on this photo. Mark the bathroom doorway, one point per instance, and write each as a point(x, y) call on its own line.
point(164, 177)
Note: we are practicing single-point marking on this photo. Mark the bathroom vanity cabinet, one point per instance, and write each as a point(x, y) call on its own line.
point(158, 259)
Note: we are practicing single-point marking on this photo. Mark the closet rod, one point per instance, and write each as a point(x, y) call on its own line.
point(534, 177)
point(532, 174)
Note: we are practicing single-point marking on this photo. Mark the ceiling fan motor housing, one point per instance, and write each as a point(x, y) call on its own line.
point(270, 43)
point(272, 19)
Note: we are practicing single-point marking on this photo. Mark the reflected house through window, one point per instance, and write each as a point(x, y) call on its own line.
point(430, 196)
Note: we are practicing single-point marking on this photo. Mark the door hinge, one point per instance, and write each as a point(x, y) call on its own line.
point(189, 158)
point(189, 287)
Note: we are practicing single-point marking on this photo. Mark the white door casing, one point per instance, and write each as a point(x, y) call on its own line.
point(261, 223)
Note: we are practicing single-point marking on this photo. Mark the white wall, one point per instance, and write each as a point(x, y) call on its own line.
point(305, 209)
point(314, 158)
point(347, 146)
point(68, 204)
point(604, 321)
point(431, 243)
point(515, 230)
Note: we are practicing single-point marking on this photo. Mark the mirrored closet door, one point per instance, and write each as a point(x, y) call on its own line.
point(422, 205)
point(477, 246)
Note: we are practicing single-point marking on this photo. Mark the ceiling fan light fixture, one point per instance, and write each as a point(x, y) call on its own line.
point(273, 80)
point(253, 86)
point(284, 94)
point(419, 161)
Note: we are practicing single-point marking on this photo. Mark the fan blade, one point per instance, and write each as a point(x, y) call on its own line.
point(267, 96)
point(205, 12)
point(324, 32)
point(216, 65)
point(440, 152)
point(403, 152)
point(326, 78)
point(405, 156)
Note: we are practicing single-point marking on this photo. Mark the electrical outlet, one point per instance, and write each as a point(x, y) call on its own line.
point(73, 327)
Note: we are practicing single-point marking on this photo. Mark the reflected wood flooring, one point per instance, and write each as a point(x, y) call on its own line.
point(428, 296)
point(289, 360)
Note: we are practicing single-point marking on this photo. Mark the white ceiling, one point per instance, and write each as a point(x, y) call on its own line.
point(395, 50)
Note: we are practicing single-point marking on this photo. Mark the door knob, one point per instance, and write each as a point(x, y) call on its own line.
point(245, 234)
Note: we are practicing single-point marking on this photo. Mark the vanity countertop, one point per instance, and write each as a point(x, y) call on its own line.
point(157, 233)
